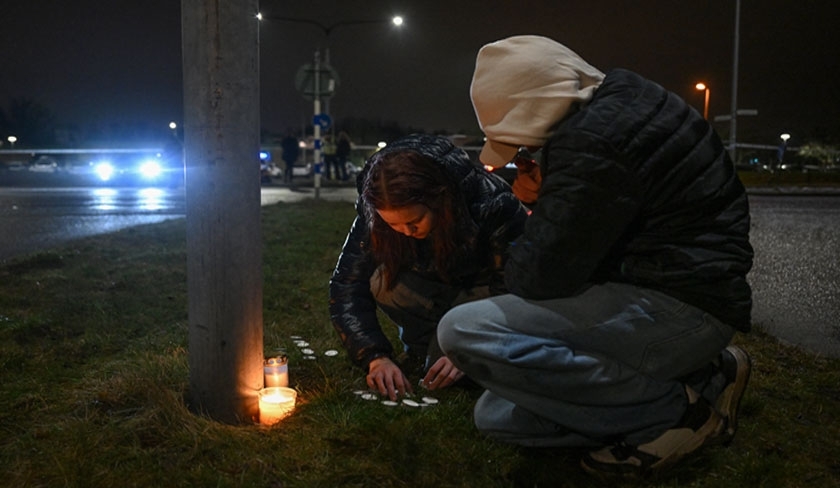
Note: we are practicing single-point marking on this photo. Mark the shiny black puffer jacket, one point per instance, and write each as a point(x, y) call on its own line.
point(499, 218)
point(637, 188)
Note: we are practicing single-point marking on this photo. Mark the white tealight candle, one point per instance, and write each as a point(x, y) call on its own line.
point(276, 403)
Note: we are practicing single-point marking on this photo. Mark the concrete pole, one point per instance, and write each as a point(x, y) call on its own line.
point(221, 144)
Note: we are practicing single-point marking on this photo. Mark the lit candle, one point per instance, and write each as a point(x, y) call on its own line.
point(276, 371)
point(276, 403)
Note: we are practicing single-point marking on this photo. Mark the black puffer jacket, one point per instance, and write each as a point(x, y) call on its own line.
point(497, 213)
point(638, 188)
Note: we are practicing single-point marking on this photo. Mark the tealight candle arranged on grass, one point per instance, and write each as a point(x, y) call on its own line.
point(276, 403)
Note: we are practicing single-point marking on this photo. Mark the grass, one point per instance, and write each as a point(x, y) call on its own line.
point(94, 376)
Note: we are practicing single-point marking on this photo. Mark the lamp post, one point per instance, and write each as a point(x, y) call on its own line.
point(174, 128)
point(327, 29)
point(703, 87)
point(782, 147)
point(319, 118)
point(396, 20)
point(12, 140)
point(734, 106)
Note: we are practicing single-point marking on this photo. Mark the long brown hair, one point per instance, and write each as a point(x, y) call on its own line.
point(403, 178)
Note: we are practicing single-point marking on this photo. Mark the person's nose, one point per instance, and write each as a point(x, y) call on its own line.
point(409, 230)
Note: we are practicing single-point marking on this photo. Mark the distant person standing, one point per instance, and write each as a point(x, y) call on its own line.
point(342, 152)
point(291, 151)
point(330, 157)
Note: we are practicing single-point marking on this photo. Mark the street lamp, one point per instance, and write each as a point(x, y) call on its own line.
point(703, 87)
point(327, 29)
point(733, 145)
point(780, 153)
point(397, 20)
point(12, 140)
point(319, 118)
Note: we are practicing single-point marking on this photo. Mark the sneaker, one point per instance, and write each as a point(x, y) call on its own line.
point(699, 422)
point(735, 364)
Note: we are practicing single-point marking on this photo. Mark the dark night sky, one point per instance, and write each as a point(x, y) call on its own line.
point(105, 62)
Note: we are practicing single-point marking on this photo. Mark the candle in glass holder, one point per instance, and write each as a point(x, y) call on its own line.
point(276, 403)
point(276, 371)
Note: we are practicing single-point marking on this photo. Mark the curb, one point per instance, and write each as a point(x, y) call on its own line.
point(794, 191)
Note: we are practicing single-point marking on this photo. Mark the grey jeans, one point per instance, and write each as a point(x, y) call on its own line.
point(603, 366)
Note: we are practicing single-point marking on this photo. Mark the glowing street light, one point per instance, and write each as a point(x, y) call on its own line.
point(320, 117)
point(703, 87)
point(12, 140)
point(780, 154)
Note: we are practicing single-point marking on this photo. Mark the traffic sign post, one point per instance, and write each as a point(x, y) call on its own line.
point(317, 150)
point(323, 120)
point(316, 81)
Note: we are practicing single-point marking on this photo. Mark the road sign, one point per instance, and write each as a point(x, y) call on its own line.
point(323, 120)
point(327, 81)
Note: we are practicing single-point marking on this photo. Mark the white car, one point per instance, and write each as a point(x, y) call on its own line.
point(44, 164)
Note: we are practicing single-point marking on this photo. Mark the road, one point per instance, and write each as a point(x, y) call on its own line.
point(40, 218)
point(34, 219)
point(795, 277)
point(796, 272)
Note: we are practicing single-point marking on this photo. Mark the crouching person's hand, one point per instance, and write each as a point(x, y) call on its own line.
point(387, 378)
point(442, 374)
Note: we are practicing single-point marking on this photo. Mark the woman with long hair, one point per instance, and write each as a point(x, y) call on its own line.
point(432, 231)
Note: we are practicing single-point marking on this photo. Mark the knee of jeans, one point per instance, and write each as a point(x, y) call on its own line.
point(446, 336)
point(449, 330)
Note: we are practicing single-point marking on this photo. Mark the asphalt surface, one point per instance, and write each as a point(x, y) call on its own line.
point(795, 277)
point(275, 194)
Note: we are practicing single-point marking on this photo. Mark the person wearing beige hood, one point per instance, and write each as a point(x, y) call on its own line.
point(629, 281)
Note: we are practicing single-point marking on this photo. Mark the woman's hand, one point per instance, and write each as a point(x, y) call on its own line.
point(387, 378)
point(442, 374)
